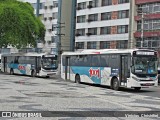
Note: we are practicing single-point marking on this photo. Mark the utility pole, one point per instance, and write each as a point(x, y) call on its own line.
point(58, 43)
point(142, 30)
point(59, 34)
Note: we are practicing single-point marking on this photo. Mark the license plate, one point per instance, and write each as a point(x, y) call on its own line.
point(147, 84)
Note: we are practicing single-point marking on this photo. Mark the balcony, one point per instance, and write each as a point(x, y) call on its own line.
point(88, 34)
point(148, 17)
point(147, 34)
point(77, 34)
point(89, 20)
point(78, 8)
point(137, 2)
point(89, 6)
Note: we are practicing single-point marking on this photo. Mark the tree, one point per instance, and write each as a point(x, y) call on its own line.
point(19, 26)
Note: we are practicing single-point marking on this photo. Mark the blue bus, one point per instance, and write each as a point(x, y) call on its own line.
point(129, 68)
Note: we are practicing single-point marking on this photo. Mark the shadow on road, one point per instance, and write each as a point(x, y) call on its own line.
point(129, 90)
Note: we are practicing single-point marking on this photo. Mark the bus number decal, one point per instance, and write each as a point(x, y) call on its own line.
point(20, 67)
point(94, 72)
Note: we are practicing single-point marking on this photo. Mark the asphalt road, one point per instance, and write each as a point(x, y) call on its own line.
point(152, 92)
point(23, 93)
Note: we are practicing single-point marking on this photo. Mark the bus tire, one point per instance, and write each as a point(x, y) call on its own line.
point(137, 88)
point(115, 84)
point(11, 72)
point(33, 74)
point(77, 79)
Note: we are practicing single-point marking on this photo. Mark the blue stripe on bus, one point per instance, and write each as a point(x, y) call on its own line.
point(20, 67)
point(94, 73)
point(95, 76)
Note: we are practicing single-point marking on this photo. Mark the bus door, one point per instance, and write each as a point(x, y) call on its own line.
point(124, 69)
point(38, 64)
point(67, 68)
point(5, 64)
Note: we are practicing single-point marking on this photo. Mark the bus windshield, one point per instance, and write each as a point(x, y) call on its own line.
point(145, 65)
point(49, 63)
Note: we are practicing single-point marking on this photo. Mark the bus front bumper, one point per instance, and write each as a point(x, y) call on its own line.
point(47, 73)
point(143, 84)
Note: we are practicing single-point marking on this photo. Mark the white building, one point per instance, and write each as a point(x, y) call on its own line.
point(102, 24)
point(48, 11)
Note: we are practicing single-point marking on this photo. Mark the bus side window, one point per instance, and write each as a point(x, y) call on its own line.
point(16, 60)
point(80, 60)
point(104, 60)
point(87, 60)
point(73, 61)
point(96, 61)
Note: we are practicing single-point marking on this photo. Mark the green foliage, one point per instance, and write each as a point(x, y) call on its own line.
point(19, 26)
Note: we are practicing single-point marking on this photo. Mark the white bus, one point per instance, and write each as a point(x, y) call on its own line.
point(34, 64)
point(129, 68)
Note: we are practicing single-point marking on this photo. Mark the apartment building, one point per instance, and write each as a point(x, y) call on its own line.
point(147, 23)
point(48, 12)
point(102, 24)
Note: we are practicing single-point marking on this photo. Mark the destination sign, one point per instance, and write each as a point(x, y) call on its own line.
point(144, 53)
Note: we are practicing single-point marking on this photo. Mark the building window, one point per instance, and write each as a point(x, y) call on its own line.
point(54, 39)
point(80, 45)
point(81, 6)
point(122, 44)
point(123, 14)
point(105, 30)
point(91, 45)
point(41, 5)
point(138, 25)
point(80, 32)
point(106, 16)
point(106, 2)
point(93, 3)
point(92, 31)
point(81, 19)
point(150, 7)
point(55, 4)
point(122, 29)
point(54, 27)
point(92, 17)
point(104, 45)
point(123, 1)
point(149, 25)
point(55, 15)
point(150, 42)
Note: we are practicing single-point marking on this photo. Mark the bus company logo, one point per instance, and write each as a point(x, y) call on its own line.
point(94, 72)
point(21, 67)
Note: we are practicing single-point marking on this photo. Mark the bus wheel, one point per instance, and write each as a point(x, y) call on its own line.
point(115, 84)
point(137, 88)
point(11, 72)
point(77, 79)
point(33, 74)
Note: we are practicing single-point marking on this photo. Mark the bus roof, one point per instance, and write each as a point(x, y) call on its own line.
point(25, 54)
point(104, 51)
